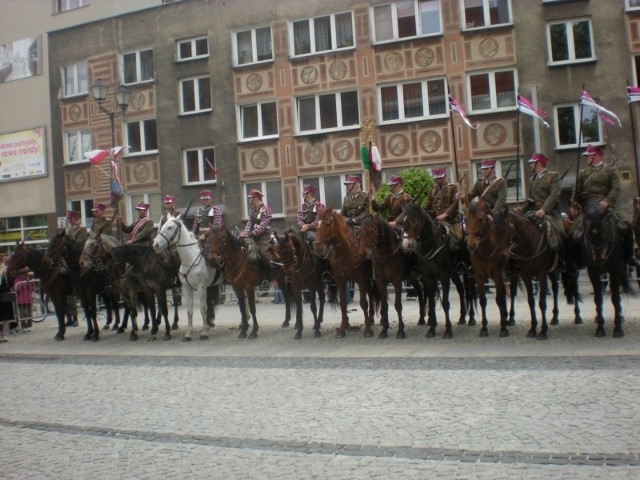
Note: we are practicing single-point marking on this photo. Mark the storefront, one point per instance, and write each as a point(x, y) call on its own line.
point(31, 229)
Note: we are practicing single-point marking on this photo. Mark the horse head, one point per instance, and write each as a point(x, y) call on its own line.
point(324, 230)
point(216, 245)
point(412, 227)
point(476, 223)
point(89, 252)
point(599, 233)
point(369, 234)
point(169, 234)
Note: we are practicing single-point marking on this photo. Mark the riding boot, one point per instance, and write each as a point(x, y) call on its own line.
point(629, 252)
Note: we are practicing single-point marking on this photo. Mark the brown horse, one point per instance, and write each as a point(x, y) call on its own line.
point(56, 285)
point(487, 241)
point(390, 265)
point(534, 259)
point(303, 270)
point(337, 242)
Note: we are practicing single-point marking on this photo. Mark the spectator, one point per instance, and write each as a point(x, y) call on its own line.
point(24, 294)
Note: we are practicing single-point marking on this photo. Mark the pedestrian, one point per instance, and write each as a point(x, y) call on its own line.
point(6, 300)
point(23, 289)
point(277, 293)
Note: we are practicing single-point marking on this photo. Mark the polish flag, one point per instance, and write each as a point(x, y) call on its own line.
point(96, 156)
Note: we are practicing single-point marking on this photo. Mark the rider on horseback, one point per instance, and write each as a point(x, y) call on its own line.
point(394, 202)
point(442, 206)
point(355, 202)
point(77, 232)
point(602, 182)
point(542, 202)
point(141, 230)
point(307, 219)
point(101, 223)
point(257, 232)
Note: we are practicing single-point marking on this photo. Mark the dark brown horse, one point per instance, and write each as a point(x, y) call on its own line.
point(390, 265)
point(339, 244)
point(54, 284)
point(603, 253)
point(534, 259)
point(487, 242)
point(430, 246)
point(303, 269)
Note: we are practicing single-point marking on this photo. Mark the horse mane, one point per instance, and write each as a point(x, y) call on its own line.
point(130, 253)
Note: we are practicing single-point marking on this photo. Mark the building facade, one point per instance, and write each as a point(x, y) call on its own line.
point(272, 94)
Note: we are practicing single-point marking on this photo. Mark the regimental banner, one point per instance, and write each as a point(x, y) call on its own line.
point(22, 155)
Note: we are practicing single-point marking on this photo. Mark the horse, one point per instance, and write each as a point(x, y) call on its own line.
point(603, 253)
point(429, 244)
point(302, 269)
point(488, 258)
point(337, 242)
point(391, 265)
point(194, 273)
point(534, 259)
point(54, 284)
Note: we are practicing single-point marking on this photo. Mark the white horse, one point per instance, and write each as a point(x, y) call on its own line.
point(194, 272)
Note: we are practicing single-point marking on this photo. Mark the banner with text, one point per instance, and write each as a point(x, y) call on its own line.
point(22, 155)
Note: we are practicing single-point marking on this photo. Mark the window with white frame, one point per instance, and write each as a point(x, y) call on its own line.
point(199, 165)
point(32, 229)
point(632, 4)
point(325, 112)
point(407, 19)
point(252, 46)
point(567, 126)
point(142, 137)
point(331, 189)
point(137, 67)
point(258, 121)
point(192, 48)
point(486, 13)
point(77, 143)
point(635, 68)
point(272, 195)
point(412, 101)
point(195, 95)
point(491, 91)
point(508, 169)
point(322, 34)
point(83, 207)
point(570, 41)
point(75, 80)
point(66, 5)
point(154, 200)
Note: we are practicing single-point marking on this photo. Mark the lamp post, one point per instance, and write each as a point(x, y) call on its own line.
point(100, 90)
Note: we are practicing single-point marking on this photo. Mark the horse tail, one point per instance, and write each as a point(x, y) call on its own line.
point(570, 284)
point(470, 291)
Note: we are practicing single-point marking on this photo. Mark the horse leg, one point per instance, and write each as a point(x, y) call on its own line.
point(364, 305)
point(422, 300)
point(617, 306)
point(381, 285)
point(554, 290)
point(212, 294)
point(501, 300)
point(176, 294)
point(295, 293)
point(457, 281)
point(470, 289)
point(285, 288)
point(397, 304)
point(513, 289)
point(313, 306)
point(446, 287)
point(93, 313)
point(164, 310)
point(251, 297)
point(596, 282)
point(60, 307)
point(431, 287)
point(86, 308)
point(542, 302)
point(341, 286)
point(319, 318)
point(484, 332)
point(204, 312)
point(242, 306)
point(188, 297)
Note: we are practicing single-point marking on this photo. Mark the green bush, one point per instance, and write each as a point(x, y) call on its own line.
point(416, 181)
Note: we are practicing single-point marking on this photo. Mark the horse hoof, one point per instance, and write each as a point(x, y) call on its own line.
point(175, 326)
point(447, 335)
point(600, 333)
point(554, 321)
point(578, 321)
point(153, 332)
point(317, 334)
point(422, 322)
point(341, 334)
point(151, 339)
point(186, 339)
point(145, 327)
point(618, 334)
point(511, 323)
point(368, 334)
point(166, 337)
point(204, 337)
point(106, 327)
point(87, 337)
point(58, 338)
point(115, 327)
point(382, 335)
point(531, 334)
point(133, 337)
point(472, 322)
point(242, 335)
point(253, 336)
point(285, 324)
point(431, 333)
point(542, 336)
point(401, 335)
point(504, 333)
point(462, 322)
point(484, 333)
point(297, 336)
point(121, 330)
point(95, 338)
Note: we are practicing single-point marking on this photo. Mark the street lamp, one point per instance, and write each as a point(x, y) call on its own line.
point(100, 90)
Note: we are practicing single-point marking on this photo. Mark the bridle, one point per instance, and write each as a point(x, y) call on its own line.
point(176, 233)
point(417, 225)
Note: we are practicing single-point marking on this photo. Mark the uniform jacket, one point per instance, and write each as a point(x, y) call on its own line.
point(78, 233)
point(494, 192)
point(140, 231)
point(394, 203)
point(103, 225)
point(354, 205)
point(602, 183)
point(443, 200)
point(259, 221)
point(165, 214)
point(544, 193)
point(308, 214)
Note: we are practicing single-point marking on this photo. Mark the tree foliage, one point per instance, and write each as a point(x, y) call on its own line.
point(417, 181)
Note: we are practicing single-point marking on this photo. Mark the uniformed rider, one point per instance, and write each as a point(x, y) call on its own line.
point(307, 219)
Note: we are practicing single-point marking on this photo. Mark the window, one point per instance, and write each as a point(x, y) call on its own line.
point(137, 66)
point(492, 91)
point(258, 121)
point(570, 42)
point(142, 136)
point(76, 144)
point(322, 34)
point(486, 13)
point(31, 229)
point(195, 95)
point(66, 5)
point(75, 80)
point(509, 171)
point(412, 101)
point(155, 206)
point(253, 46)
point(632, 4)
point(331, 189)
point(192, 48)
point(84, 208)
point(272, 191)
point(328, 112)
point(406, 19)
point(567, 126)
point(199, 165)
point(635, 66)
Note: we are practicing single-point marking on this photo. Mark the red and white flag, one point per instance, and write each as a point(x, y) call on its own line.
point(456, 107)
point(116, 151)
point(633, 94)
point(525, 106)
point(605, 115)
point(96, 156)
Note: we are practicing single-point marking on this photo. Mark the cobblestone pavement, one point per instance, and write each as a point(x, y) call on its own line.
point(324, 407)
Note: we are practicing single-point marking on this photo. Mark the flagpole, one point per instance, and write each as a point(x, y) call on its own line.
point(575, 186)
point(635, 141)
point(517, 155)
point(366, 127)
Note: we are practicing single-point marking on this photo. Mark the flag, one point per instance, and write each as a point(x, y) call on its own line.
point(364, 156)
point(116, 151)
point(456, 107)
point(633, 94)
point(525, 106)
point(96, 156)
point(116, 187)
point(605, 115)
point(376, 167)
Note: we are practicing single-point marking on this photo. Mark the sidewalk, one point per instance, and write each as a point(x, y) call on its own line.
point(565, 340)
